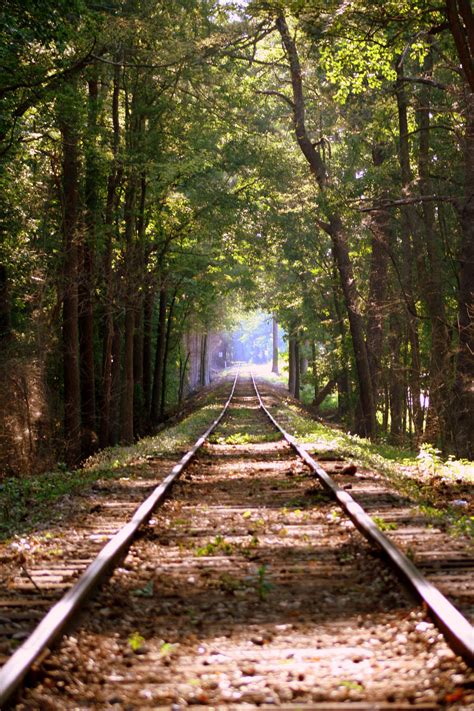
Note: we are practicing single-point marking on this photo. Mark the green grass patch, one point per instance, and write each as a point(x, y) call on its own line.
point(431, 482)
point(27, 503)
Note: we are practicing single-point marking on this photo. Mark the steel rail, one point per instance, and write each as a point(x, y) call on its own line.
point(457, 630)
point(53, 624)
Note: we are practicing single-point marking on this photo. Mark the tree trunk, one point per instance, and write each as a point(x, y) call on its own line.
point(297, 369)
point(274, 346)
point(396, 379)
point(335, 230)
point(366, 418)
point(433, 291)
point(86, 281)
point(138, 338)
point(410, 228)
point(159, 353)
point(377, 306)
point(314, 368)
point(291, 364)
point(127, 431)
point(182, 375)
point(324, 392)
point(147, 353)
point(108, 346)
point(116, 384)
point(169, 325)
point(463, 402)
point(72, 386)
point(5, 304)
point(203, 368)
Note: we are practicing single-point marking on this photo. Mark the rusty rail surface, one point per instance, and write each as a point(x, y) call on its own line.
point(458, 631)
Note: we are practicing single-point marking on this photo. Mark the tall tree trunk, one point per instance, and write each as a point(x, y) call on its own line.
point(148, 304)
point(366, 417)
point(114, 179)
point(377, 306)
point(138, 338)
point(461, 24)
point(203, 368)
point(463, 403)
point(5, 304)
point(116, 383)
point(314, 368)
point(410, 228)
point(291, 364)
point(169, 325)
point(86, 281)
point(127, 431)
point(396, 379)
point(335, 230)
point(182, 375)
point(72, 386)
point(297, 366)
point(159, 354)
point(433, 291)
point(274, 346)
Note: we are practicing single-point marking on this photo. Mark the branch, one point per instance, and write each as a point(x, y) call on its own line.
point(384, 204)
point(252, 60)
point(463, 35)
point(423, 80)
point(280, 96)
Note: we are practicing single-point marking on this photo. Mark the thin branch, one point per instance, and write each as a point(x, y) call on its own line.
point(279, 95)
point(383, 205)
point(423, 80)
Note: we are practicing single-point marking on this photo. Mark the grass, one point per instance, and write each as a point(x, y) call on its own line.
point(30, 502)
point(432, 482)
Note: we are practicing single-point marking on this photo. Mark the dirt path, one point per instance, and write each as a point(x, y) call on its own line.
point(238, 595)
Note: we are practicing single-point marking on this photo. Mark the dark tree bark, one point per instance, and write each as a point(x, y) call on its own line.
point(433, 287)
point(203, 369)
point(72, 386)
point(147, 352)
point(324, 392)
point(5, 305)
point(410, 229)
point(461, 24)
point(463, 401)
point(182, 374)
point(314, 369)
point(127, 431)
point(291, 364)
point(334, 228)
point(274, 346)
point(116, 383)
point(138, 299)
point(378, 279)
point(86, 282)
point(297, 369)
point(159, 355)
point(169, 326)
point(396, 383)
point(109, 334)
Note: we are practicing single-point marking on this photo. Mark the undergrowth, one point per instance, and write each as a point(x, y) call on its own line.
point(27, 503)
point(434, 484)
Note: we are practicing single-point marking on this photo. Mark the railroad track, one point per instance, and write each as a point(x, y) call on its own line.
point(225, 558)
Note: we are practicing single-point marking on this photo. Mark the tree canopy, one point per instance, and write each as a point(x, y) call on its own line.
point(162, 162)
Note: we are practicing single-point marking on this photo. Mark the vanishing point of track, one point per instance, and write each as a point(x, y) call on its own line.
point(456, 629)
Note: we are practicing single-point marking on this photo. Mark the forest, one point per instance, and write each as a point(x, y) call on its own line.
point(165, 164)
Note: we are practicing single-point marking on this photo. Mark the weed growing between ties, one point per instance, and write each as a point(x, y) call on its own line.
point(440, 488)
point(29, 502)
